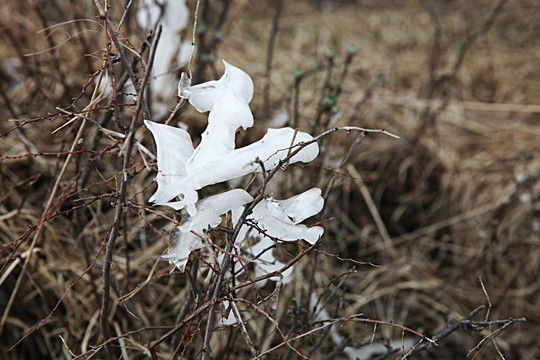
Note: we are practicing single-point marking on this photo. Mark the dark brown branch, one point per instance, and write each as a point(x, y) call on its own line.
point(123, 59)
point(120, 203)
point(466, 323)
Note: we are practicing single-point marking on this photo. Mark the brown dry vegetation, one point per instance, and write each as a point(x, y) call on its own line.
point(454, 200)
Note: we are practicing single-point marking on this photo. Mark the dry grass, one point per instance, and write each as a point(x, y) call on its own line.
point(457, 196)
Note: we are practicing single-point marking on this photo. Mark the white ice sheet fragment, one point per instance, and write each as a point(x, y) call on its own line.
point(174, 148)
point(280, 218)
point(216, 159)
point(171, 52)
point(204, 96)
point(302, 206)
point(209, 211)
point(272, 148)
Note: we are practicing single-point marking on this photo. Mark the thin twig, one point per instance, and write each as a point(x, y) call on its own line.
point(124, 13)
point(186, 82)
point(269, 57)
point(488, 312)
point(212, 302)
point(491, 337)
point(357, 107)
point(112, 33)
point(43, 219)
point(120, 203)
point(214, 294)
point(446, 332)
point(304, 334)
point(193, 39)
point(243, 329)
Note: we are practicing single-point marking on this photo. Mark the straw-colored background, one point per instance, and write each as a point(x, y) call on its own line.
point(455, 199)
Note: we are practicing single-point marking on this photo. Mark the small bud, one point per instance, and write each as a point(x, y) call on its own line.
point(330, 53)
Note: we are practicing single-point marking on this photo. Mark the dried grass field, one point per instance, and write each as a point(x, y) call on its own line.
point(431, 247)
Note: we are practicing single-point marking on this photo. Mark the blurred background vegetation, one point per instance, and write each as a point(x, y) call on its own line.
point(454, 200)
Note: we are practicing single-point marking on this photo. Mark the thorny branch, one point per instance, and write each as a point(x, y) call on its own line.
point(120, 203)
point(466, 323)
point(112, 33)
point(259, 196)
